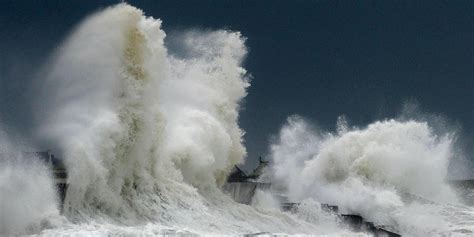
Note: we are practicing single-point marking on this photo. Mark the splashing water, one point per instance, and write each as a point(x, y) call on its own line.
point(149, 138)
point(372, 171)
point(123, 112)
point(28, 200)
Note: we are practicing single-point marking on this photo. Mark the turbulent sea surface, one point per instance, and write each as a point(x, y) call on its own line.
point(149, 137)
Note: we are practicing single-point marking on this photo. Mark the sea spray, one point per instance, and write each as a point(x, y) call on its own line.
point(369, 171)
point(148, 138)
point(124, 112)
point(28, 200)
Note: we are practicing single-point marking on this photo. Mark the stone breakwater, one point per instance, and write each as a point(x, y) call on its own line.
point(243, 192)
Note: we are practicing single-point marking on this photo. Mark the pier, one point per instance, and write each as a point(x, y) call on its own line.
point(58, 170)
point(242, 187)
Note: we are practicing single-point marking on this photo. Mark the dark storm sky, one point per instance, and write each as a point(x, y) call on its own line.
point(319, 59)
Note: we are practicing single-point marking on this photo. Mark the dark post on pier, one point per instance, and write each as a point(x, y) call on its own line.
point(57, 168)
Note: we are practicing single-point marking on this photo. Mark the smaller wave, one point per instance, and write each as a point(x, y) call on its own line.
point(370, 171)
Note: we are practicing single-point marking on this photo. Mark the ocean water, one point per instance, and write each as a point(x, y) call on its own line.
point(391, 172)
point(149, 138)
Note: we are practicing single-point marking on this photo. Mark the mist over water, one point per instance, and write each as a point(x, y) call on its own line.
point(28, 199)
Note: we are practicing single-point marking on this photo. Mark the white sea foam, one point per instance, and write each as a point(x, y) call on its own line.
point(385, 172)
point(148, 138)
point(27, 197)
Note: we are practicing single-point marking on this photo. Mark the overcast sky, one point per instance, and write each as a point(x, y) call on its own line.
point(319, 59)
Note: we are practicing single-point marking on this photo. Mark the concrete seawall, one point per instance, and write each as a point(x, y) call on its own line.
point(243, 192)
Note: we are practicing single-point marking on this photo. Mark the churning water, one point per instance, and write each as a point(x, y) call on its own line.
point(391, 172)
point(149, 138)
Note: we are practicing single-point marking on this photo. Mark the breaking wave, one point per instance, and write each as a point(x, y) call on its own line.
point(390, 172)
point(126, 115)
point(149, 138)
